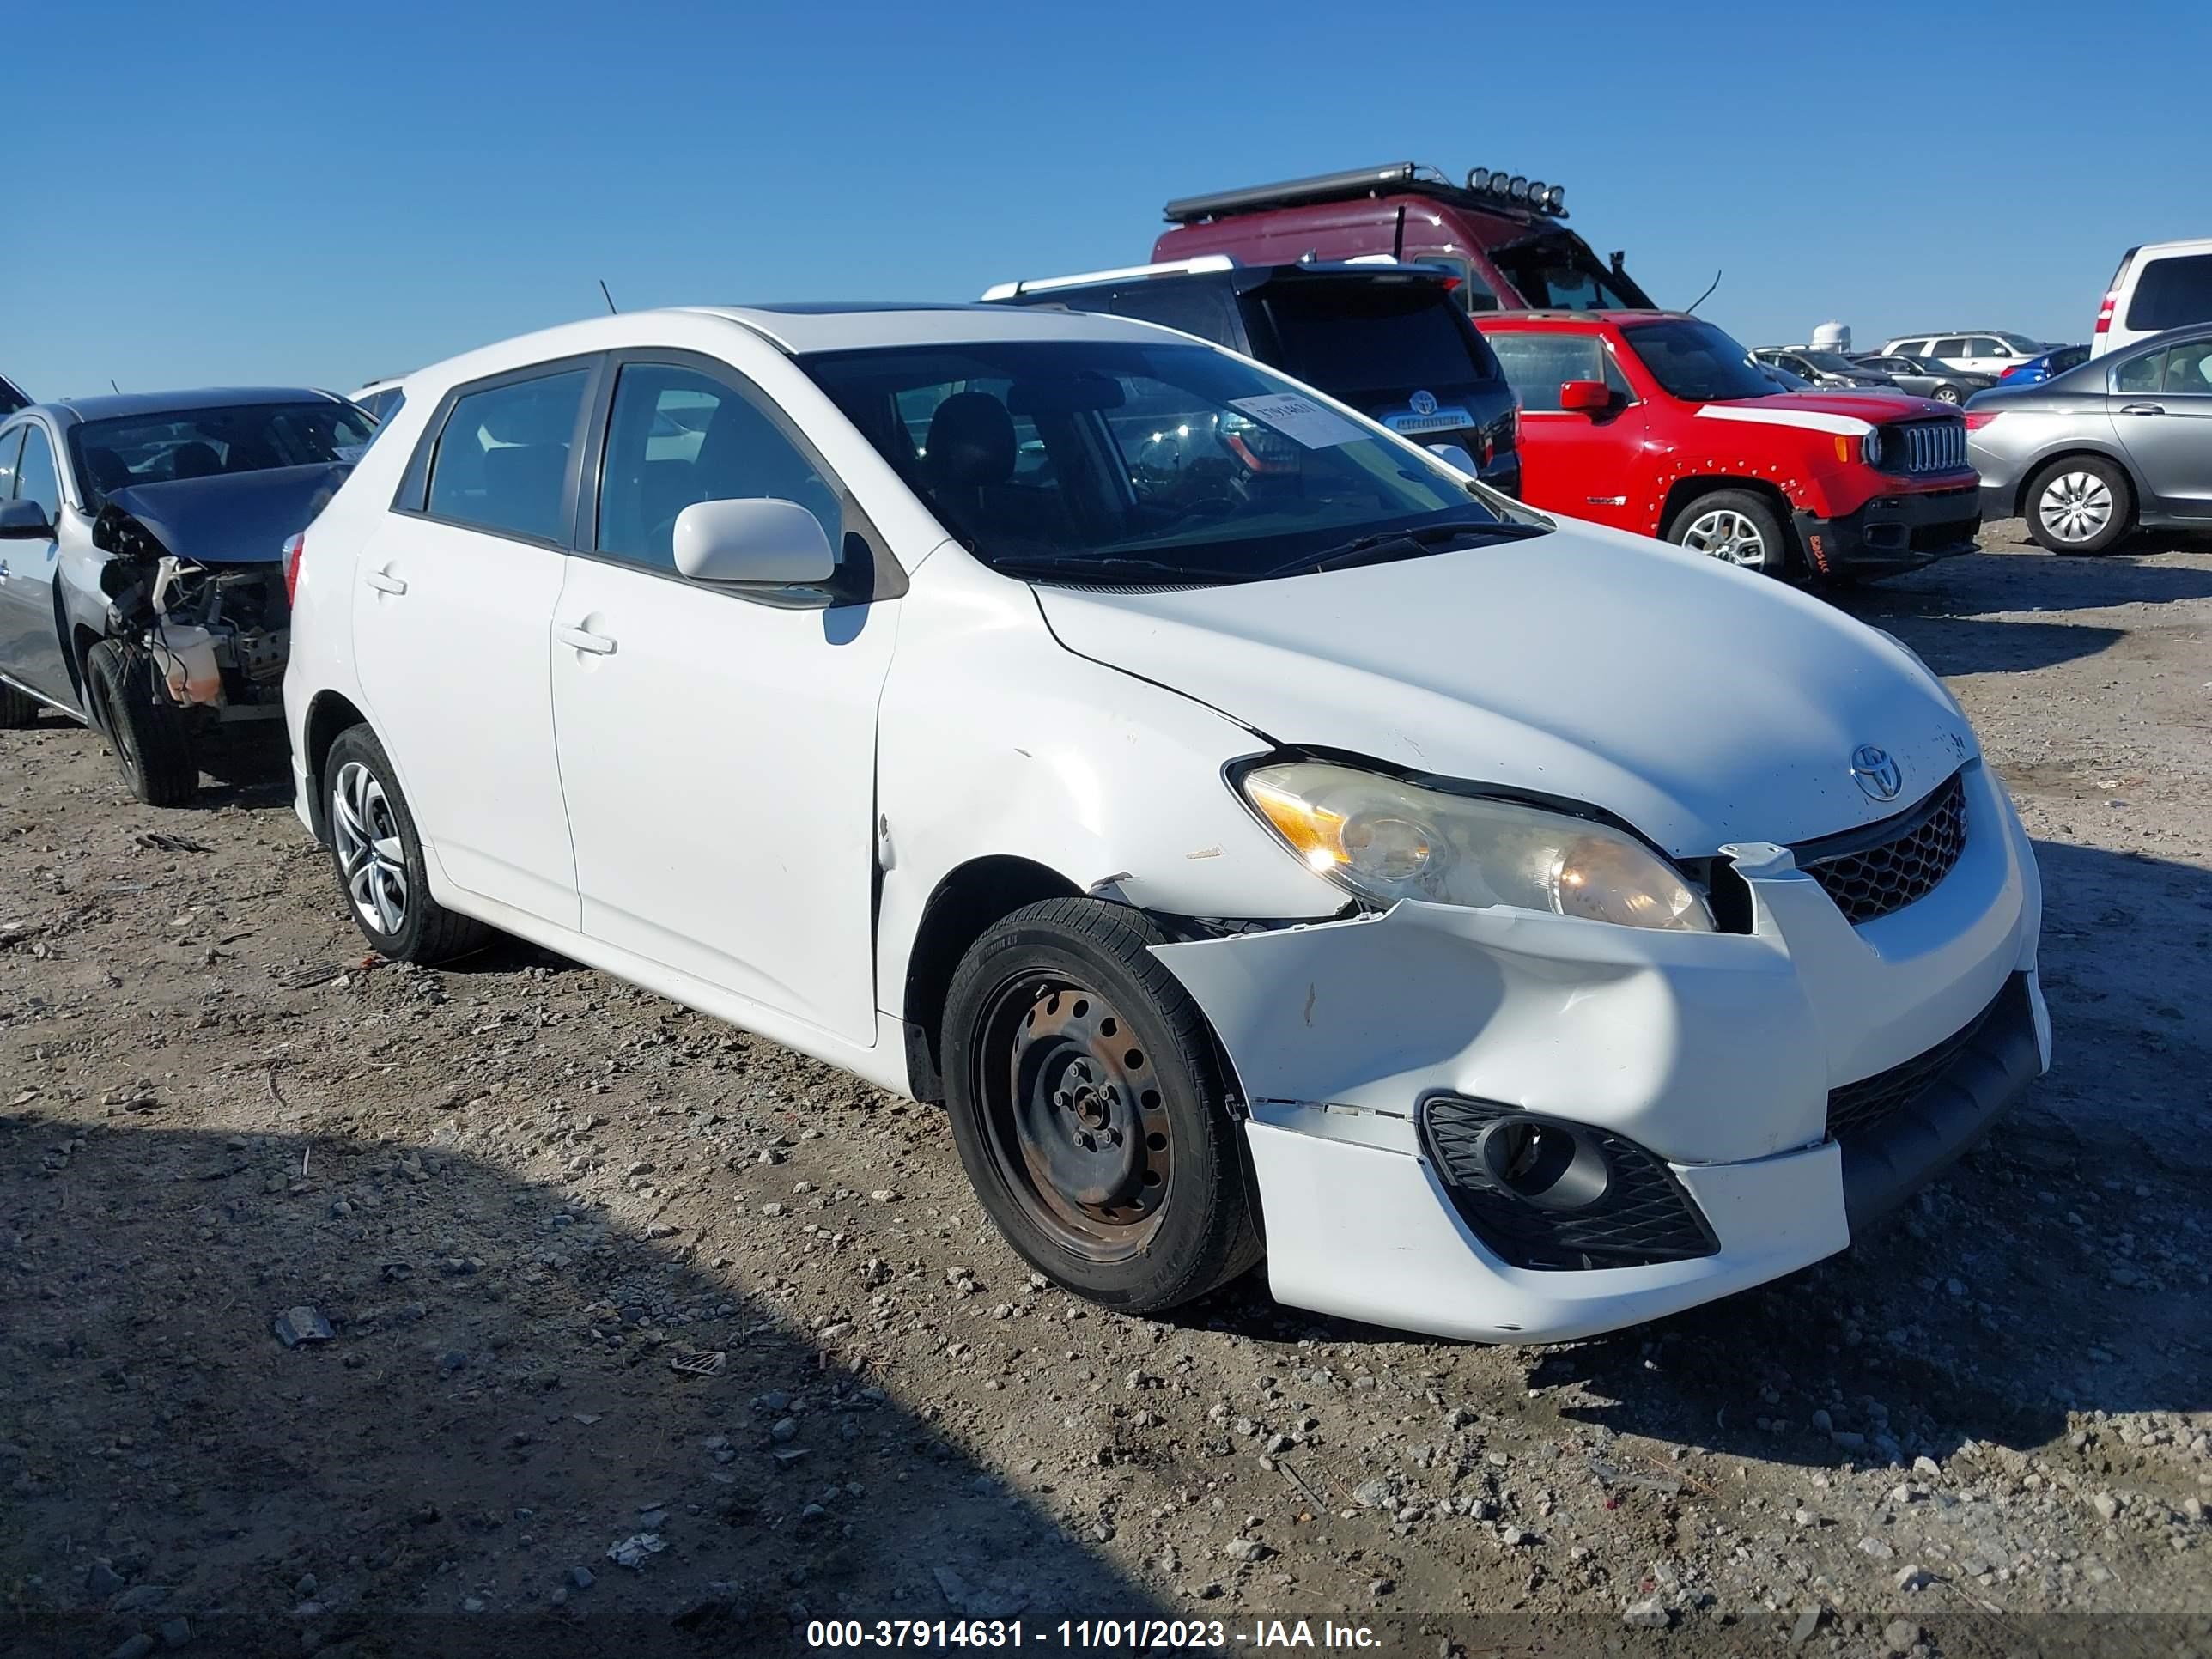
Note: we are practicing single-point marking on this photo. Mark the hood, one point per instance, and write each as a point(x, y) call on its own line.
point(1701, 703)
point(1847, 414)
point(231, 518)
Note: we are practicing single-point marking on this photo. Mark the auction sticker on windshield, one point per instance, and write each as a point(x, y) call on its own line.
point(1300, 419)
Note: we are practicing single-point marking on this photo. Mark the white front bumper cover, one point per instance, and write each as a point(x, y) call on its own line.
point(1715, 1052)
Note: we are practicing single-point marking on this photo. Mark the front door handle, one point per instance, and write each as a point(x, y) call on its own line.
point(2143, 408)
point(597, 644)
point(385, 584)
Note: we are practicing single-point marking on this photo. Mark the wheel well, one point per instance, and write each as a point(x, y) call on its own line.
point(1685, 491)
point(2028, 477)
point(965, 905)
point(80, 654)
point(328, 716)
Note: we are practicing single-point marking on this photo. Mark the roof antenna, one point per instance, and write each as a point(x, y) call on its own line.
point(112, 386)
point(1398, 237)
point(608, 297)
point(1707, 294)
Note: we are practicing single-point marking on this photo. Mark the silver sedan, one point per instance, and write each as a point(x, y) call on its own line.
point(2122, 442)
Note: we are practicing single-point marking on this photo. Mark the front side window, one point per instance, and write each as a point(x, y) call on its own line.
point(1472, 293)
point(1558, 272)
point(1537, 362)
point(2139, 374)
point(1981, 346)
point(1098, 461)
point(1697, 362)
point(199, 443)
point(35, 479)
point(2173, 293)
point(11, 445)
point(502, 462)
point(677, 437)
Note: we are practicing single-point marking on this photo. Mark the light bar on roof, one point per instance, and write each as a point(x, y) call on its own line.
point(1518, 189)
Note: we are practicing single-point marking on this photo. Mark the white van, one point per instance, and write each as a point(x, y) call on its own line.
point(2159, 286)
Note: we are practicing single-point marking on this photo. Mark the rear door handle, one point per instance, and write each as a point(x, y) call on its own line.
point(597, 644)
point(385, 584)
point(2143, 408)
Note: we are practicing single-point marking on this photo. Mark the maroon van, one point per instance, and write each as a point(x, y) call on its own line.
point(1499, 233)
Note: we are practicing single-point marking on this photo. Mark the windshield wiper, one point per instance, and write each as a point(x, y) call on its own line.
point(1105, 569)
point(1388, 544)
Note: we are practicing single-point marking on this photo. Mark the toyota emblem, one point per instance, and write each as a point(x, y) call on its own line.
point(1877, 773)
point(1424, 403)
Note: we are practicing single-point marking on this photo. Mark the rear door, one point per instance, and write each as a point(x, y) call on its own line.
point(1584, 464)
point(451, 633)
point(2161, 404)
point(30, 639)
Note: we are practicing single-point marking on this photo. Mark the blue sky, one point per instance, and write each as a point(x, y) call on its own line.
point(322, 194)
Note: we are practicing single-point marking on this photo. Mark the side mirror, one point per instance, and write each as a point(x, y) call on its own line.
point(25, 521)
point(1455, 457)
point(762, 542)
point(1585, 397)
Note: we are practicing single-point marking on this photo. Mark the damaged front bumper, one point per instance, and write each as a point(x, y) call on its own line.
point(1373, 1054)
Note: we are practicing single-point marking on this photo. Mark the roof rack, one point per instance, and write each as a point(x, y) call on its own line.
point(1170, 267)
point(1493, 191)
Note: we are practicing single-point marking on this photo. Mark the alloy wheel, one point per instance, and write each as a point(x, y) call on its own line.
point(2076, 506)
point(1074, 1117)
point(371, 858)
point(1724, 533)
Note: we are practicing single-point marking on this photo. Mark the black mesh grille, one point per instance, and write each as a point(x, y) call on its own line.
point(1895, 862)
point(1867, 1104)
point(1642, 1215)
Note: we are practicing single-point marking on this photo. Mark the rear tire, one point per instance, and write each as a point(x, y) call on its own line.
point(144, 728)
point(2081, 504)
point(1090, 1111)
point(17, 709)
point(1736, 527)
point(378, 856)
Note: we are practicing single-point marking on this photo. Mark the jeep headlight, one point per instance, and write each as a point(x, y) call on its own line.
point(1870, 447)
point(1387, 839)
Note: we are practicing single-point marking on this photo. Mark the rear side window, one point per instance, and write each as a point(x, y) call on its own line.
point(2171, 293)
point(1202, 309)
point(502, 462)
point(2189, 367)
point(1355, 339)
point(1535, 364)
point(34, 473)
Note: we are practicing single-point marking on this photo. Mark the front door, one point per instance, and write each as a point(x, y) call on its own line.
point(2161, 404)
point(30, 638)
point(1583, 463)
point(719, 748)
point(452, 631)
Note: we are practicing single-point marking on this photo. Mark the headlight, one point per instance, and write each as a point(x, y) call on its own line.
point(1388, 841)
point(1870, 447)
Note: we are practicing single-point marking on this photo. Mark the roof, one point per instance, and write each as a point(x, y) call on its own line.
point(1381, 183)
point(1617, 319)
point(802, 329)
point(1221, 269)
point(163, 402)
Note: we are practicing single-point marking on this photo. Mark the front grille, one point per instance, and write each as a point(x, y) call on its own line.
point(1878, 871)
point(1936, 446)
point(1642, 1216)
point(1867, 1104)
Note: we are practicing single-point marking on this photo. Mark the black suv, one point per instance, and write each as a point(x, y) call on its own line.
point(1385, 338)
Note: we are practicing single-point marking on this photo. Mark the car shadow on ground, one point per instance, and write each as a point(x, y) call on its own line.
point(406, 1479)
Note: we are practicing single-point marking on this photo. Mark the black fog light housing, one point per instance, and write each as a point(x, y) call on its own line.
point(1542, 1191)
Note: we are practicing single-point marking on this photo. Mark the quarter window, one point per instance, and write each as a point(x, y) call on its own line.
point(677, 437)
point(34, 473)
point(1536, 363)
point(502, 459)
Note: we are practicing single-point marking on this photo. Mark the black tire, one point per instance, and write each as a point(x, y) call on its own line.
point(17, 708)
point(420, 928)
point(1187, 1222)
point(1775, 557)
point(2060, 475)
point(145, 729)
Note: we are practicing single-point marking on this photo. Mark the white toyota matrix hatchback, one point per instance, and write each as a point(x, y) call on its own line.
point(1265, 844)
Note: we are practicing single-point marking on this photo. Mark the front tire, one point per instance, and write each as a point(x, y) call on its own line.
point(144, 728)
point(1090, 1111)
point(2080, 504)
point(1736, 527)
point(377, 855)
point(1946, 394)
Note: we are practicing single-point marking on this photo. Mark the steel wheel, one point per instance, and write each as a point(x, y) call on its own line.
point(1724, 533)
point(1945, 394)
point(1074, 1117)
point(371, 858)
point(2076, 506)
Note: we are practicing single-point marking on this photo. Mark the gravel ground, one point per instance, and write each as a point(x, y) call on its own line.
point(621, 1330)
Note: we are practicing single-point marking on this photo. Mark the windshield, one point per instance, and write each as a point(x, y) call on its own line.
point(1831, 362)
point(1558, 272)
point(199, 443)
point(1697, 362)
point(1356, 340)
point(1093, 460)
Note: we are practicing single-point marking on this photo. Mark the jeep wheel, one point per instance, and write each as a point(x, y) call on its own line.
point(1736, 527)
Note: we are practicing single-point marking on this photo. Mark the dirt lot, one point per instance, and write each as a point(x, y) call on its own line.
point(591, 1268)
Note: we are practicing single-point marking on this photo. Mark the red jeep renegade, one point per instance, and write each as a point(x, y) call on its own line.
point(1659, 422)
